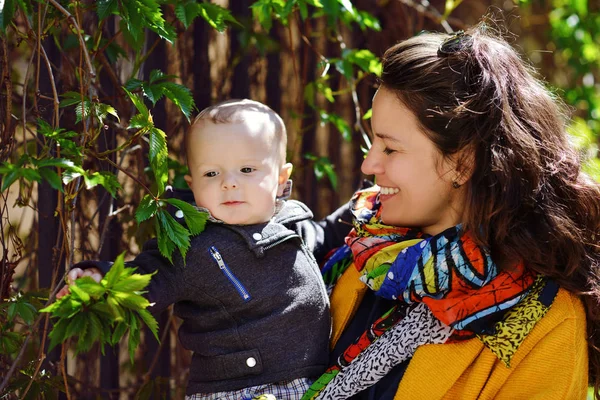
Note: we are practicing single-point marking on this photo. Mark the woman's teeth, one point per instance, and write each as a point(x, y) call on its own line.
point(386, 190)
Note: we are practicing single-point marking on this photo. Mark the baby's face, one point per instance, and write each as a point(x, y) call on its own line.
point(236, 170)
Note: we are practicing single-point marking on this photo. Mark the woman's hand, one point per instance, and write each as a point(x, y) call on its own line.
point(77, 273)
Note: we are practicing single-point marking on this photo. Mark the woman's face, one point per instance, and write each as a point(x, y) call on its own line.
point(415, 180)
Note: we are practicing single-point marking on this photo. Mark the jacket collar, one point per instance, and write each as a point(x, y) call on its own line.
point(261, 237)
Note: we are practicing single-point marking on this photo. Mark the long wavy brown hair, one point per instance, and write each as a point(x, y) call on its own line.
point(527, 198)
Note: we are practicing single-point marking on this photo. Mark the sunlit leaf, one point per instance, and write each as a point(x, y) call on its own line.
point(194, 219)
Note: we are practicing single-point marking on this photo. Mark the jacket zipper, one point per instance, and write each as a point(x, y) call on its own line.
point(235, 281)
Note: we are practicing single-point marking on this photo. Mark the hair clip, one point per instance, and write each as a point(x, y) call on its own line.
point(455, 43)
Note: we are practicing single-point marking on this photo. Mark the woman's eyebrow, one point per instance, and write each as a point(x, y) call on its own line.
point(386, 137)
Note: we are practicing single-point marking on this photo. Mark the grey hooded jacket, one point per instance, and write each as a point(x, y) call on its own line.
point(251, 297)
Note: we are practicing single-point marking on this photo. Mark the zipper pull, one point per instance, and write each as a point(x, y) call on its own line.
point(217, 256)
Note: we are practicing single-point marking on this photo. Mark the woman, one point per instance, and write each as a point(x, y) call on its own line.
point(472, 268)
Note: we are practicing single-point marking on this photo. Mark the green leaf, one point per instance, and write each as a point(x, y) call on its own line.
point(7, 12)
point(140, 121)
point(364, 59)
point(153, 92)
point(134, 338)
point(69, 176)
point(216, 16)
point(194, 219)
point(184, 13)
point(102, 309)
point(150, 322)
point(341, 125)
point(133, 283)
point(52, 178)
point(86, 337)
point(165, 246)
point(368, 114)
point(102, 110)
point(180, 95)
point(347, 5)
point(10, 342)
point(9, 178)
point(115, 271)
point(71, 98)
point(147, 208)
point(138, 103)
point(25, 6)
point(261, 11)
point(26, 311)
point(158, 155)
point(56, 162)
point(77, 292)
point(90, 286)
point(116, 310)
point(175, 232)
point(77, 325)
point(106, 179)
point(131, 300)
point(106, 8)
point(133, 84)
point(118, 333)
point(32, 175)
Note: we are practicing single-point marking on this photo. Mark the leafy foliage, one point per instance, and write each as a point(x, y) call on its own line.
point(103, 311)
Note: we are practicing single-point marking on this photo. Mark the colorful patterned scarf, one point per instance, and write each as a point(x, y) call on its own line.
point(455, 278)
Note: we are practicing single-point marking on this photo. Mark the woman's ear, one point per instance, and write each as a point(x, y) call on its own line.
point(464, 165)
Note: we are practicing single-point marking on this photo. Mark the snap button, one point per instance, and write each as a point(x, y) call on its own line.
point(179, 214)
point(257, 236)
point(251, 362)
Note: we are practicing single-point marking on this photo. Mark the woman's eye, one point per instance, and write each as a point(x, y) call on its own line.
point(247, 170)
point(210, 174)
point(388, 151)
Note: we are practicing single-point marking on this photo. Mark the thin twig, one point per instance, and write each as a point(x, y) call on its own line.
point(15, 363)
point(82, 44)
point(126, 152)
point(137, 180)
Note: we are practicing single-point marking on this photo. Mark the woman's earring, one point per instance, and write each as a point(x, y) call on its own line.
point(455, 185)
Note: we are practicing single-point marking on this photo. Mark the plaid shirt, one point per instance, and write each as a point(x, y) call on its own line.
point(285, 390)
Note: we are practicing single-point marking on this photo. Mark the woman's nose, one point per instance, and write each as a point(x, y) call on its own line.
point(371, 164)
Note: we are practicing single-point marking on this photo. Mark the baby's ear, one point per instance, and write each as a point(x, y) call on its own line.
point(188, 180)
point(285, 172)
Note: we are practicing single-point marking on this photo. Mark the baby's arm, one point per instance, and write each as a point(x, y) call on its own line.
point(323, 236)
point(166, 286)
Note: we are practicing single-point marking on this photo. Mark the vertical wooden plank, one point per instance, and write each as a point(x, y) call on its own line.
point(239, 58)
point(200, 64)
point(162, 368)
point(47, 255)
point(273, 82)
point(109, 362)
point(309, 188)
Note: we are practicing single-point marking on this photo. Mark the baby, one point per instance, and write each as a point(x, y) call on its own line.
point(254, 307)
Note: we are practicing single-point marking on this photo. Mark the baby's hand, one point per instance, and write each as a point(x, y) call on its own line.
point(76, 273)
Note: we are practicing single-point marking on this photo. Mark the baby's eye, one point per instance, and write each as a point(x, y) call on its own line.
point(247, 170)
point(210, 174)
point(388, 151)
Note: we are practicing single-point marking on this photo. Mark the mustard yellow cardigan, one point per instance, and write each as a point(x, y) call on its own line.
point(550, 364)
